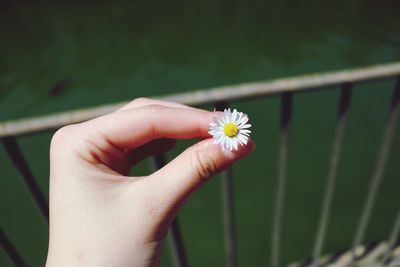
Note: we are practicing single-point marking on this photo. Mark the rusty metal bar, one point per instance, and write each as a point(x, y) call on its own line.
point(18, 159)
point(211, 95)
point(380, 167)
point(394, 236)
point(228, 208)
point(344, 104)
point(286, 116)
point(11, 251)
point(229, 217)
point(175, 241)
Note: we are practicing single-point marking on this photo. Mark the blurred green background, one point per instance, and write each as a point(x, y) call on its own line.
point(60, 55)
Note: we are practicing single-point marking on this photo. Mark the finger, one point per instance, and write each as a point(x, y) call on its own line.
point(132, 128)
point(155, 147)
point(142, 102)
point(187, 172)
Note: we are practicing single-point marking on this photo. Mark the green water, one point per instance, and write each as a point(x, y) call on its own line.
point(104, 52)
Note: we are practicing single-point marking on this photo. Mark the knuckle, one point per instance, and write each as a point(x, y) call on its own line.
point(203, 165)
point(141, 101)
point(62, 135)
point(62, 142)
point(154, 108)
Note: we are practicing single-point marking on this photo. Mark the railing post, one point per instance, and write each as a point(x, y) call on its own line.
point(228, 208)
point(10, 250)
point(379, 169)
point(175, 240)
point(344, 103)
point(18, 159)
point(286, 116)
point(394, 236)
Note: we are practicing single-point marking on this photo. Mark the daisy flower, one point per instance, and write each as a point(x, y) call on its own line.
point(230, 129)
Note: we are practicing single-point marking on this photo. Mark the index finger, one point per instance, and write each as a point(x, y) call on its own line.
point(134, 127)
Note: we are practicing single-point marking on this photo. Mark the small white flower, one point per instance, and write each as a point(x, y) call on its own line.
point(230, 130)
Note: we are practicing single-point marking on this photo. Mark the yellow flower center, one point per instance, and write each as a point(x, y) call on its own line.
point(231, 129)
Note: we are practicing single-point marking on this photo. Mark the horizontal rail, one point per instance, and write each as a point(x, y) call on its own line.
point(211, 95)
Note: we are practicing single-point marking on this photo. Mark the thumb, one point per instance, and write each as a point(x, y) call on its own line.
point(187, 172)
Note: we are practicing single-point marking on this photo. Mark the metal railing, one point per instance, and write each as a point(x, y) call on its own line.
point(220, 97)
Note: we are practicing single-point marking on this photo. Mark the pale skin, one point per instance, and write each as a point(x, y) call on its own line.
point(100, 216)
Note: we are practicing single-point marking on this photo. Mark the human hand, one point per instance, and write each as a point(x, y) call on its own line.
point(100, 216)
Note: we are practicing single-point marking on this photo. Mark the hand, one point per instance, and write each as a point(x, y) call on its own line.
point(99, 216)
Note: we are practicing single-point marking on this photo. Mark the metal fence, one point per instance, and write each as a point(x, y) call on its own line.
point(220, 97)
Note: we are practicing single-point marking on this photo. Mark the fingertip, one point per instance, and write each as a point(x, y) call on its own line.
point(241, 152)
point(194, 166)
point(220, 157)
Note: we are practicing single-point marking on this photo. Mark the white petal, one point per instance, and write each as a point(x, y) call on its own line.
point(215, 136)
point(243, 120)
point(244, 140)
point(245, 126)
point(245, 137)
point(238, 140)
point(227, 142)
point(218, 133)
point(234, 114)
point(227, 118)
point(230, 144)
point(220, 139)
point(240, 115)
point(235, 144)
point(227, 113)
point(244, 131)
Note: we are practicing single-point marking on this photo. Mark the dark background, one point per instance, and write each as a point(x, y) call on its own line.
point(61, 55)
